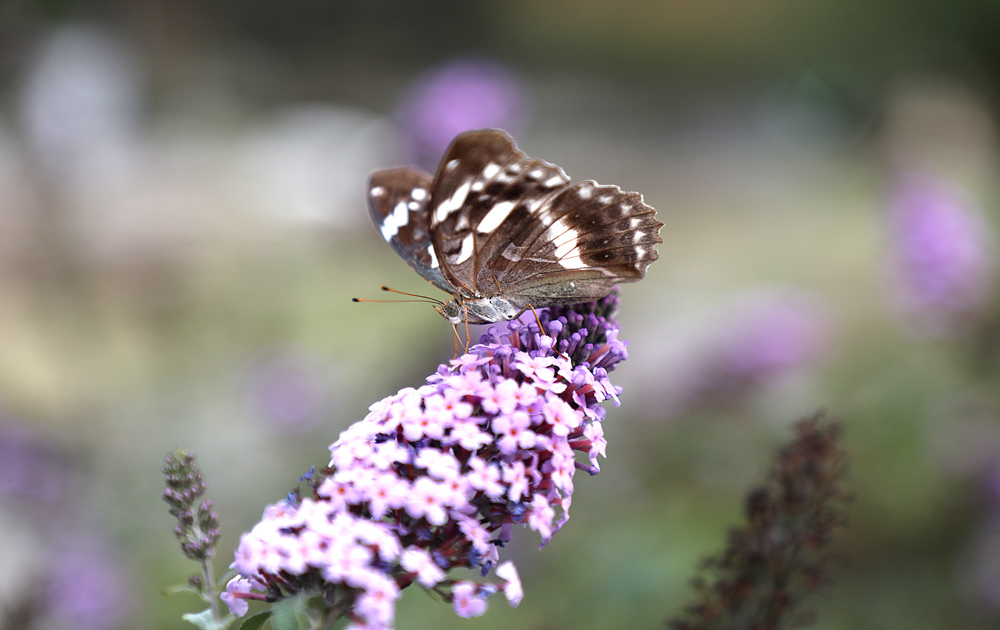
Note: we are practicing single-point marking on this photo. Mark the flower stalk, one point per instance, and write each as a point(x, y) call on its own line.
point(197, 526)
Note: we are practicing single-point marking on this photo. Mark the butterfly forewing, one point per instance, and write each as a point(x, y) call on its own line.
point(398, 199)
point(498, 225)
point(481, 200)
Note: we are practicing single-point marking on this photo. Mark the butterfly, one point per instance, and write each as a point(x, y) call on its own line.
point(502, 232)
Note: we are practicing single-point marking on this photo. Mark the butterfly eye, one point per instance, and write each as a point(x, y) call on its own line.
point(452, 309)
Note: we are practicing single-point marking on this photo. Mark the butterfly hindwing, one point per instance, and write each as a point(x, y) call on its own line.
point(398, 199)
point(587, 235)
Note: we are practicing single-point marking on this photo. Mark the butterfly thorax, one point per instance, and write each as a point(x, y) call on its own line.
point(483, 310)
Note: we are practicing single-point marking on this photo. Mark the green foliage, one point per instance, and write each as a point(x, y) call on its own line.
point(294, 613)
point(256, 622)
point(205, 620)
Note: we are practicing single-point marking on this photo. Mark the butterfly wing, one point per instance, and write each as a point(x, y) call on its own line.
point(398, 201)
point(504, 223)
point(585, 239)
point(484, 187)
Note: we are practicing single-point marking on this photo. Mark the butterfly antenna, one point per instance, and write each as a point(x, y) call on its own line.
point(416, 295)
point(420, 298)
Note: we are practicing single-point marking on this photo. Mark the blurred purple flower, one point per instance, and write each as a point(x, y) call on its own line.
point(82, 583)
point(31, 469)
point(766, 340)
point(287, 390)
point(944, 253)
point(773, 337)
point(458, 96)
point(780, 555)
point(87, 588)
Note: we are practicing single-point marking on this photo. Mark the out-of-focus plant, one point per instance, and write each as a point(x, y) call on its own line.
point(779, 555)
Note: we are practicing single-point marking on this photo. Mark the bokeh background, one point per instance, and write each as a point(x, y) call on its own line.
point(182, 226)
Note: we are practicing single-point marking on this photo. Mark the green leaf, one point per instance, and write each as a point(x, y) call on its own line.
point(206, 621)
point(256, 622)
point(182, 588)
point(291, 613)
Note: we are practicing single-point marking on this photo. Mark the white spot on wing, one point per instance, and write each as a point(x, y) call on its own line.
point(451, 164)
point(490, 170)
point(535, 204)
point(495, 216)
point(434, 258)
point(585, 193)
point(467, 248)
point(545, 218)
point(565, 240)
point(399, 217)
point(377, 191)
point(419, 194)
point(568, 256)
point(561, 231)
point(553, 181)
point(452, 203)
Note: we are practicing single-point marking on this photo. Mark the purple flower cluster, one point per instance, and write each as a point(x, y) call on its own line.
point(944, 252)
point(434, 478)
point(287, 390)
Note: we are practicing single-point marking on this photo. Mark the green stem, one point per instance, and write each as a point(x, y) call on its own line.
point(209, 589)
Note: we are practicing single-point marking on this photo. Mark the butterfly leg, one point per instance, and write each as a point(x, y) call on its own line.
point(468, 337)
point(538, 321)
point(542, 330)
point(454, 329)
point(458, 338)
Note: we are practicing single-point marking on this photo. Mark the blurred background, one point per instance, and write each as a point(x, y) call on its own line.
point(182, 226)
